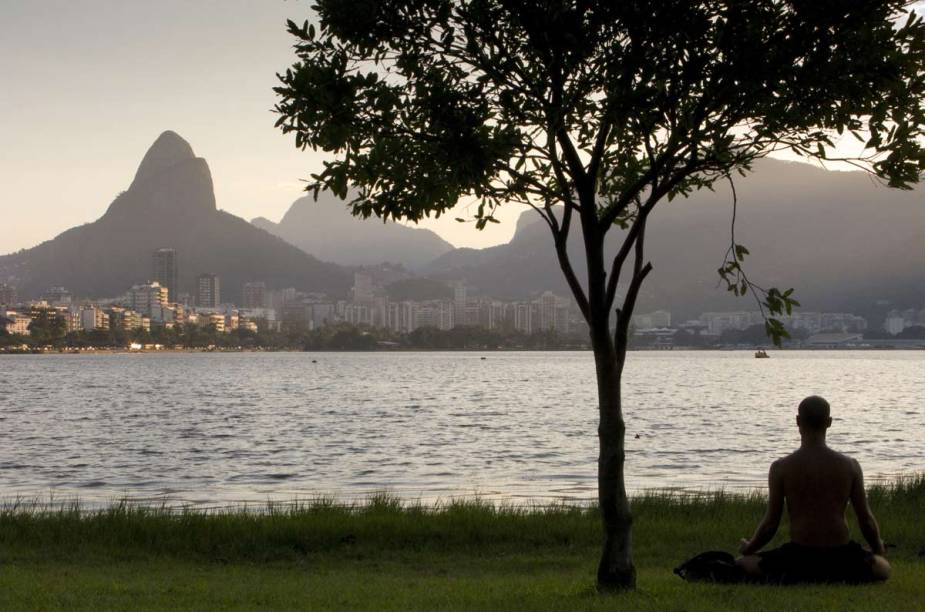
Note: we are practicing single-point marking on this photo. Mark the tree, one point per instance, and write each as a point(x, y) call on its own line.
point(592, 112)
point(47, 327)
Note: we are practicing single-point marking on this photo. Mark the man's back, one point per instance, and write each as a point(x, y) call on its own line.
point(817, 485)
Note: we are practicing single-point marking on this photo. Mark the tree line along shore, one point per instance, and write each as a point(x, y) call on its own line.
point(348, 337)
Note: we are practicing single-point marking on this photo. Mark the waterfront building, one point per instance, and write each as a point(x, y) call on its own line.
point(126, 319)
point(148, 298)
point(652, 320)
point(718, 322)
point(362, 287)
point(835, 340)
point(494, 315)
point(358, 314)
point(843, 322)
point(406, 317)
point(71, 319)
point(216, 321)
point(208, 291)
point(296, 315)
point(267, 316)
point(895, 323)
point(165, 272)
point(17, 323)
point(437, 314)
point(523, 317)
point(254, 295)
point(164, 314)
point(280, 298)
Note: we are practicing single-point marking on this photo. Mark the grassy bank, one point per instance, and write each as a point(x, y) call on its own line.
point(389, 555)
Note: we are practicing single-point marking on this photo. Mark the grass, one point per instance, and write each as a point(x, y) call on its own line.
point(388, 555)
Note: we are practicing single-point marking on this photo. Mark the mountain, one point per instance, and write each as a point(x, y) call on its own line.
point(327, 230)
point(841, 240)
point(170, 203)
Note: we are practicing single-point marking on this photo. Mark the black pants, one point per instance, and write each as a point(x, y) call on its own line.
point(793, 563)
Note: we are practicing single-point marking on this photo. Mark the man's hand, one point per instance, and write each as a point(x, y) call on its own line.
point(743, 545)
point(880, 550)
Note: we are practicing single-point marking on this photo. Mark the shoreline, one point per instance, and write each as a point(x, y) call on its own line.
point(901, 483)
point(127, 351)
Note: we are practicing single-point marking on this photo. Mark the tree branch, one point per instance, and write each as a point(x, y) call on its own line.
point(625, 313)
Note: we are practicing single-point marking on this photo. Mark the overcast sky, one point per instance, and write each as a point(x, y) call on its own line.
point(87, 85)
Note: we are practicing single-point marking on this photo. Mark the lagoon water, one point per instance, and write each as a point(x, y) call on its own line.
point(218, 429)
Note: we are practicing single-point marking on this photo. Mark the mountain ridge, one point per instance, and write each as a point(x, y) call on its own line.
point(169, 204)
point(841, 241)
point(326, 229)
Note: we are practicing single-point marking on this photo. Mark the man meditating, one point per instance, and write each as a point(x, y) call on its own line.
point(817, 483)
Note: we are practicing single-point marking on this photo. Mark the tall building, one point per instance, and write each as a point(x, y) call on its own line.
point(546, 307)
point(255, 295)
point(362, 287)
point(165, 272)
point(459, 304)
point(148, 298)
point(523, 317)
point(93, 318)
point(58, 296)
point(7, 295)
point(208, 293)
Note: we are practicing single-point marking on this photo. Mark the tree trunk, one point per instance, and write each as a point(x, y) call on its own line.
point(616, 570)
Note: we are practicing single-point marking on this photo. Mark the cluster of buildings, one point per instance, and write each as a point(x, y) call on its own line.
point(153, 303)
point(370, 306)
point(715, 323)
point(900, 320)
point(159, 302)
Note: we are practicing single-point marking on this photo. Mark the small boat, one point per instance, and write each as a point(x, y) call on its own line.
point(761, 354)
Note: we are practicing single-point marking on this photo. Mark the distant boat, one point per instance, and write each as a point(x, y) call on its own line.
point(761, 354)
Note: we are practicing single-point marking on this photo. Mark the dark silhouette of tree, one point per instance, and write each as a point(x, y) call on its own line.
point(48, 327)
point(592, 112)
point(915, 332)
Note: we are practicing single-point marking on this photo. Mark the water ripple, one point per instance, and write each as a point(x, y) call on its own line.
point(216, 428)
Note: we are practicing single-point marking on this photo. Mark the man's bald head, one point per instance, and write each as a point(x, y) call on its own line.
point(814, 413)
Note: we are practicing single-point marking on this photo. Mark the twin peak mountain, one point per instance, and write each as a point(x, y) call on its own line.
point(171, 203)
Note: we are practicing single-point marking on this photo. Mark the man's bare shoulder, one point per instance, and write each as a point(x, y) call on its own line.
point(800, 458)
point(849, 462)
point(784, 462)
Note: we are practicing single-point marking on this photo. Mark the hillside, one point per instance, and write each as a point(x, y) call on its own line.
point(169, 204)
point(841, 240)
point(327, 230)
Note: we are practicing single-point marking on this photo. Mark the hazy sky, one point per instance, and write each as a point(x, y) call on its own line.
point(88, 85)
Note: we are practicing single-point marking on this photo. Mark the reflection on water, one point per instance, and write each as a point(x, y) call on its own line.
point(215, 428)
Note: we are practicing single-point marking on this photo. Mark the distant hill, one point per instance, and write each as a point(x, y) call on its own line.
point(327, 230)
point(171, 204)
point(842, 241)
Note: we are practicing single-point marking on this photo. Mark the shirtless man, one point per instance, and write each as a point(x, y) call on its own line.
point(817, 483)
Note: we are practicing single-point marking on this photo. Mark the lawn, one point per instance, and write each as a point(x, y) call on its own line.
point(389, 555)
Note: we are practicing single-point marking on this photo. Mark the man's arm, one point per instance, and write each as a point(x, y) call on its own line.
point(768, 526)
point(866, 521)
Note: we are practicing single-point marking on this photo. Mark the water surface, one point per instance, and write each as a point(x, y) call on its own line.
point(224, 428)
